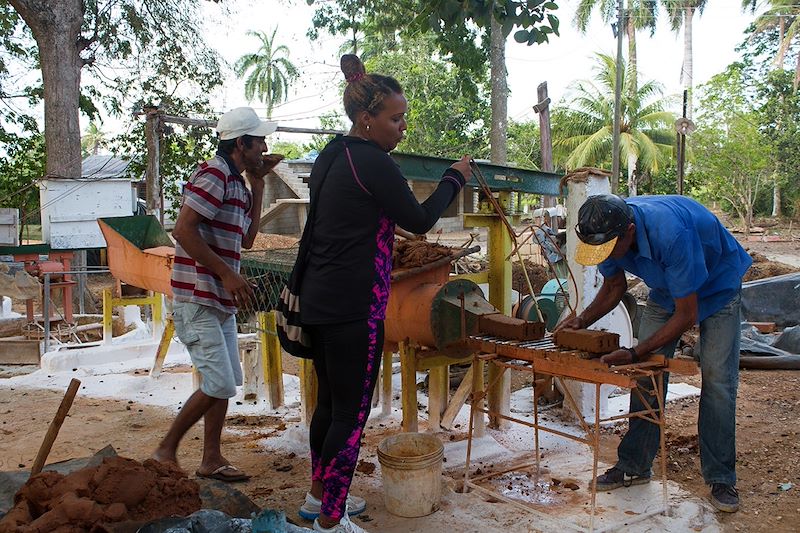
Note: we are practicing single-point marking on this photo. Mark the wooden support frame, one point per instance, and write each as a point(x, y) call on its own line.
point(271, 362)
point(648, 371)
point(441, 408)
point(163, 347)
point(386, 382)
point(408, 391)
point(308, 391)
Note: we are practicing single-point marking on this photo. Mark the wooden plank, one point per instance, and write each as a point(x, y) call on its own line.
point(271, 359)
point(544, 366)
point(252, 370)
point(408, 392)
point(499, 396)
point(479, 418)
point(108, 317)
point(457, 401)
point(438, 389)
point(20, 352)
point(386, 383)
point(163, 347)
point(764, 327)
point(687, 367)
point(12, 326)
point(308, 390)
point(426, 362)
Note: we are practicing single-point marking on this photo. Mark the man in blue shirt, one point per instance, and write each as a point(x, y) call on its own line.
point(693, 267)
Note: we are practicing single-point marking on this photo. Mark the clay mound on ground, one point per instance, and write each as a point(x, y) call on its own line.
point(538, 275)
point(764, 268)
point(117, 490)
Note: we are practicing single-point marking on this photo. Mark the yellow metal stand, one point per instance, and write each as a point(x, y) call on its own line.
point(499, 296)
point(155, 300)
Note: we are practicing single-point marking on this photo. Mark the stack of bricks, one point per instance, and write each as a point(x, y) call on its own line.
point(586, 340)
point(507, 327)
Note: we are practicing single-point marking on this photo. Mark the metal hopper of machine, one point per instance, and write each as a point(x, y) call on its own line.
point(140, 252)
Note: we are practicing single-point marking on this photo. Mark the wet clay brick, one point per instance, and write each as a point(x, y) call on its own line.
point(507, 327)
point(587, 340)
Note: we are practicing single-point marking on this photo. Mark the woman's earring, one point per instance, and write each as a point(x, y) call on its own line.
point(367, 127)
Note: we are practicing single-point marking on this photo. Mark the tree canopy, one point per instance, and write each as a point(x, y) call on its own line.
point(448, 112)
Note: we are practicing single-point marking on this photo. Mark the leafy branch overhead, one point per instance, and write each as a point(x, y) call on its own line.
point(534, 18)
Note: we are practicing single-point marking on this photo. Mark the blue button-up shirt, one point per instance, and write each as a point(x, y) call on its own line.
point(682, 248)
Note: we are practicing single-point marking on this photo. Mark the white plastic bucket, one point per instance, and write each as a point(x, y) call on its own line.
point(411, 465)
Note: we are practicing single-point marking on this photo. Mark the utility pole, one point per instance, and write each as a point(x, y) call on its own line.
point(682, 145)
point(617, 101)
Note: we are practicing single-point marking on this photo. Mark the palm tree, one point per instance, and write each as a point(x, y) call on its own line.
point(270, 71)
point(93, 140)
point(638, 15)
point(583, 134)
point(681, 13)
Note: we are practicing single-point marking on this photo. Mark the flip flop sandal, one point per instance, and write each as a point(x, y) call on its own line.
point(220, 475)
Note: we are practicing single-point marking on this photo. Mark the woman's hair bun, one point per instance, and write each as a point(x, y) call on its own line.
point(352, 67)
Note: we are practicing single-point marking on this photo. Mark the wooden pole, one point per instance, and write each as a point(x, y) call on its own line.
point(55, 426)
point(185, 121)
point(308, 391)
point(271, 358)
point(546, 139)
point(152, 174)
point(386, 383)
point(408, 391)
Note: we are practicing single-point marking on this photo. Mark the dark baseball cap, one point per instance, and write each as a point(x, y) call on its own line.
point(602, 219)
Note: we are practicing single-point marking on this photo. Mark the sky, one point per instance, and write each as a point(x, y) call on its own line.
point(560, 63)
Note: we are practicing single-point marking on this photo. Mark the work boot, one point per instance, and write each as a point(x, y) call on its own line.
point(344, 526)
point(615, 478)
point(725, 497)
point(311, 507)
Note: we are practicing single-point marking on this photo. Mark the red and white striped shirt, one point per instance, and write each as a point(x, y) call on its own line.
point(218, 193)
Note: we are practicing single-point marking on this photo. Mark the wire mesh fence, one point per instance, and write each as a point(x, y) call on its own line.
point(269, 271)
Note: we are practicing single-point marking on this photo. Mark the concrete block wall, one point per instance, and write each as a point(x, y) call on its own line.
point(451, 218)
point(531, 249)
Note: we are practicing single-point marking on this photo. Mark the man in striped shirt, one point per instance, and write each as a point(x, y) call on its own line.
point(218, 218)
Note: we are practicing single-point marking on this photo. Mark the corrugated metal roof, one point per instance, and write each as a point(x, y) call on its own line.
point(104, 167)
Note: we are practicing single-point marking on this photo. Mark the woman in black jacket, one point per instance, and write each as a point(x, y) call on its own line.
point(345, 287)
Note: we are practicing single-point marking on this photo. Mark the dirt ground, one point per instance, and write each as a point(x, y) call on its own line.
point(767, 440)
point(768, 449)
point(768, 446)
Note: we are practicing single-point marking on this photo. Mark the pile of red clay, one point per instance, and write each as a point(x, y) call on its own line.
point(118, 490)
point(410, 254)
point(764, 268)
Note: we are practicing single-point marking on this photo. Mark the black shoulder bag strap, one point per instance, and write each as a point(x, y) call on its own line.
point(305, 240)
